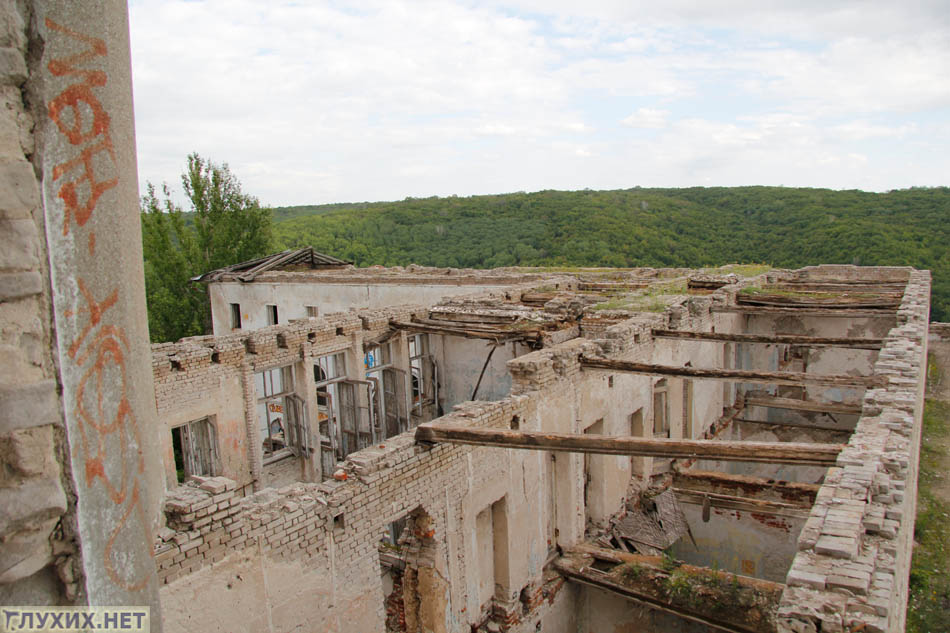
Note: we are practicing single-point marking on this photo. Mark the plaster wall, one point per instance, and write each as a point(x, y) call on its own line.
point(460, 362)
point(600, 611)
point(292, 299)
point(741, 431)
point(744, 543)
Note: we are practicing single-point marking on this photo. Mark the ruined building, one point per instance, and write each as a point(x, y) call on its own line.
point(429, 450)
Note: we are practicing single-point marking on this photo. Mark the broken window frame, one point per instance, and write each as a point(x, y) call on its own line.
point(389, 393)
point(273, 407)
point(199, 448)
point(346, 425)
point(272, 314)
point(421, 368)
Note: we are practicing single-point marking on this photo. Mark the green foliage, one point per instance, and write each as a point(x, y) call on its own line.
point(224, 226)
point(631, 571)
point(929, 598)
point(696, 227)
point(669, 562)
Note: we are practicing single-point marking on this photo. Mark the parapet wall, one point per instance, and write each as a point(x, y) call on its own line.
point(852, 569)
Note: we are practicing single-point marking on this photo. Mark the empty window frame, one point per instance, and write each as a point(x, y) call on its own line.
point(195, 449)
point(328, 372)
point(421, 373)
point(275, 388)
point(388, 389)
point(235, 316)
point(661, 409)
point(313, 312)
point(271, 314)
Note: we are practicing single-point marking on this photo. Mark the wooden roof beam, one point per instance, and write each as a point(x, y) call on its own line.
point(850, 313)
point(792, 404)
point(734, 375)
point(773, 339)
point(757, 452)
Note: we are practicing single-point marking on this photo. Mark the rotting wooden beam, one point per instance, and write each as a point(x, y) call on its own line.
point(649, 588)
point(743, 504)
point(734, 375)
point(850, 313)
point(615, 556)
point(773, 339)
point(799, 425)
point(842, 303)
point(748, 486)
point(792, 404)
point(758, 452)
point(497, 336)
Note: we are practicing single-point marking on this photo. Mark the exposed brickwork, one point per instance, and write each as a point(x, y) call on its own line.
point(855, 549)
point(203, 524)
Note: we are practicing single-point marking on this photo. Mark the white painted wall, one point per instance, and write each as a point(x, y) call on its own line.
point(292, 298)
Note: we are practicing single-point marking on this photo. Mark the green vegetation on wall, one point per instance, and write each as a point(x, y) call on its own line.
point(692, 227)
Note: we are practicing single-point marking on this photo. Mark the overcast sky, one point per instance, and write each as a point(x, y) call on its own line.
point(315, 102)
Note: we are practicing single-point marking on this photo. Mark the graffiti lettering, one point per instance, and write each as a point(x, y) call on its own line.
point(79, 115)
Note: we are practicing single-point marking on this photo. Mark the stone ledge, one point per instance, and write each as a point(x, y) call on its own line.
point(29, 406)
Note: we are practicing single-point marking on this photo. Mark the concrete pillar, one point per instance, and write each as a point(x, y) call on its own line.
point(89, 185)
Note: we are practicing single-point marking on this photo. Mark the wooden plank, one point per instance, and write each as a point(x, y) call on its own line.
point(742, 504)
point(792, 404)
point(576, 566)
point(747, 486)
point(773, 339)
point(850, 313)
point(837, 303)
point(464, 332)
point(757, 452)
point(800, 424)
point(735, 375)
point(613, 556)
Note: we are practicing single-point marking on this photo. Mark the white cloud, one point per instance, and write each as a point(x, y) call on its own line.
point(314, 102)
point(647, 118)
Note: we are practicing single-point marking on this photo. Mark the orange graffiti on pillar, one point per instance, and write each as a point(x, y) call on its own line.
point(107, 426)
point(68, 110)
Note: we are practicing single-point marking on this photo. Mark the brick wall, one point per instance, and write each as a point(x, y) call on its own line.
point(852, 569)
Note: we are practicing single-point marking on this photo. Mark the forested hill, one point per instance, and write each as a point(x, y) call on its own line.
point(693, 227)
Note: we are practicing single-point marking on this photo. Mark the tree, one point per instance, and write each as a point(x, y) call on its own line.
point(223, 226)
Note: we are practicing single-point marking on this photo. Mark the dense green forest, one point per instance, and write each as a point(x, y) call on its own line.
point(694, 227)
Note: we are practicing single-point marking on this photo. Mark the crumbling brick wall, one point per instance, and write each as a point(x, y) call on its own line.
point(852, 569)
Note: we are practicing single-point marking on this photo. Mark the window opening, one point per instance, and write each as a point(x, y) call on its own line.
point(271, 315)
point(235, 316)
point(279, 412)
point(313, 312)
point(345, 411)
point(661, 409)
point(195, 449)
point(421, 373)
point(388, 389)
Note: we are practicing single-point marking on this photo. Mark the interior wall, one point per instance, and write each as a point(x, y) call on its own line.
point(600, 611)
point(292, 298)
point(460, 363)
point(744, 543)
point(739, 431)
